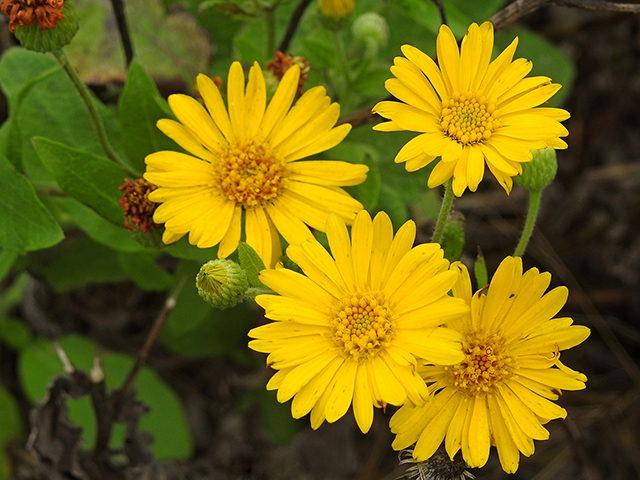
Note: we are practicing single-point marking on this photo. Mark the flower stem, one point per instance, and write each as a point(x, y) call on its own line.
point(61, 56)
point(445, 209)
point(532, 214)
point(344, 65)
point(270, 19)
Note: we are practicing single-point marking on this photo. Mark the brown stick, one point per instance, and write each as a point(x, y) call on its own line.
point(143, 354)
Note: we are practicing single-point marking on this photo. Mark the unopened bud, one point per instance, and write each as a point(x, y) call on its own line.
point(222, 283)
point(371, 29)
point(335, 13)
point(539, 172)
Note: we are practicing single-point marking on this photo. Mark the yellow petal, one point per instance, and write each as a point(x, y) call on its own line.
point(291, 284)
point(309, 394)
point(290, 226)
point(340, 245)
point(342, 393)
point(448, 58)
point(183, 137)
point(362, 406)
point(209, 228)
point(475, 167)
point(235, 98)
point(328, 172)
point(215, 105)
point(478, 435)
point(229, 242)
point(429, 67)
point(255, 100)
point(382, 239)
point(300, 375)
point(281, 101)
point(259, 234)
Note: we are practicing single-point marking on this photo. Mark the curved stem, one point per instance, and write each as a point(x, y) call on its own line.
point(445, 209)
point(91, 108)
point(294, 21)
point(123, 29)
point(270, 19)
point(344, 66)
point(532, 214)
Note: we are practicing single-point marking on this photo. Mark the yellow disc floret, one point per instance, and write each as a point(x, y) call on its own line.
point(487, 364)
point(362, 325)
point(469, 118)
point(250, 173)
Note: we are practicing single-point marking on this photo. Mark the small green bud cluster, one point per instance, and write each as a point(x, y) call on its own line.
point(222, 283)
point(371, 29)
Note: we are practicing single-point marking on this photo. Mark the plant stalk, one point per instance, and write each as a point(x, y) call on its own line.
point(445, 210)
point(532, 214)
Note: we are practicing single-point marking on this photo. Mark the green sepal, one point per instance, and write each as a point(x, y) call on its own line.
point(43, 41)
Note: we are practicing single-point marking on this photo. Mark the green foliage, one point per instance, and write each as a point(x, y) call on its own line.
point(10, 428)
point(87, 177)
point(25, 223)
point(139, 110)
point(165, 421)
point(252, 264)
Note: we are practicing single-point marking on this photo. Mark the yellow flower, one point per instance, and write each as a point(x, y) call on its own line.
point(247, 160)
point(500, 393)
point(351, 329)
point(470, 111)
point(336, 8)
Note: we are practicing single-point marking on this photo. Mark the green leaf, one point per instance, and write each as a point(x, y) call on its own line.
point(75, 263)
point(480, 270)
point(320, 53)
point(369, 191)
point(15, 333)
point(7, 260)
point(19, 67)
point(144, 270)
point(10, 429)
point(96, 227)
point(25, 223)
point(391, 203)
point(249, 51)
point(87, 177)
point(165, 421)
point(139, 111)
point(252, 264)
point(277, 417)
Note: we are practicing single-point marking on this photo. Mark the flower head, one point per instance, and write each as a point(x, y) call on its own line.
point(470, 111)
point(46, 13)
point(501, 393)
point(351, 329)
point(336, 9)
point(246, 161)
point(281, 63)
point(138, 209)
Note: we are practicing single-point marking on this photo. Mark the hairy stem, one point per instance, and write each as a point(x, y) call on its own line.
point(445, 209)
point(532, 214)
point(93, 111)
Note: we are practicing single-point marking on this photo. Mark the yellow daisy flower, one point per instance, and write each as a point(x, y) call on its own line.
point(351, 329)
point(470, 111)
point(500, 393)
point(247, 160)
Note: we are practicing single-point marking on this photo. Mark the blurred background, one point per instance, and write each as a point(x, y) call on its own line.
point(211, 417)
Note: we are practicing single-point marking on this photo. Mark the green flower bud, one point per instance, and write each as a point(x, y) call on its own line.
point(371, 30)
point(34, 37)
point(222, 283)
point(453, 238)
point(539, 172)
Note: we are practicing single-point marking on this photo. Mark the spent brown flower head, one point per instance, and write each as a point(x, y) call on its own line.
point(283, 62)
point(138, 209)
point(27, 12)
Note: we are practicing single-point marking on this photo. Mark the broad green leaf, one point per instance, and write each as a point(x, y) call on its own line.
point(25, 223)
point(250, 52)
point(77, 262)
point(170, 45)
point(87, 177)
point(369, 191)
point(10, 429)
point(144, 270)
point(165, 421)
point(15, 333)
point(391, 203)
point(19, 67)
point(252, 264)
point(96, 227)
point(139, 111)
point(7, 260)
point(319, 52)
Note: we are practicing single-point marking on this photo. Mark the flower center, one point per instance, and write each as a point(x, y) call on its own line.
point(468, 118)
point(250, 173)
point(487, 364)
point(362, 325)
